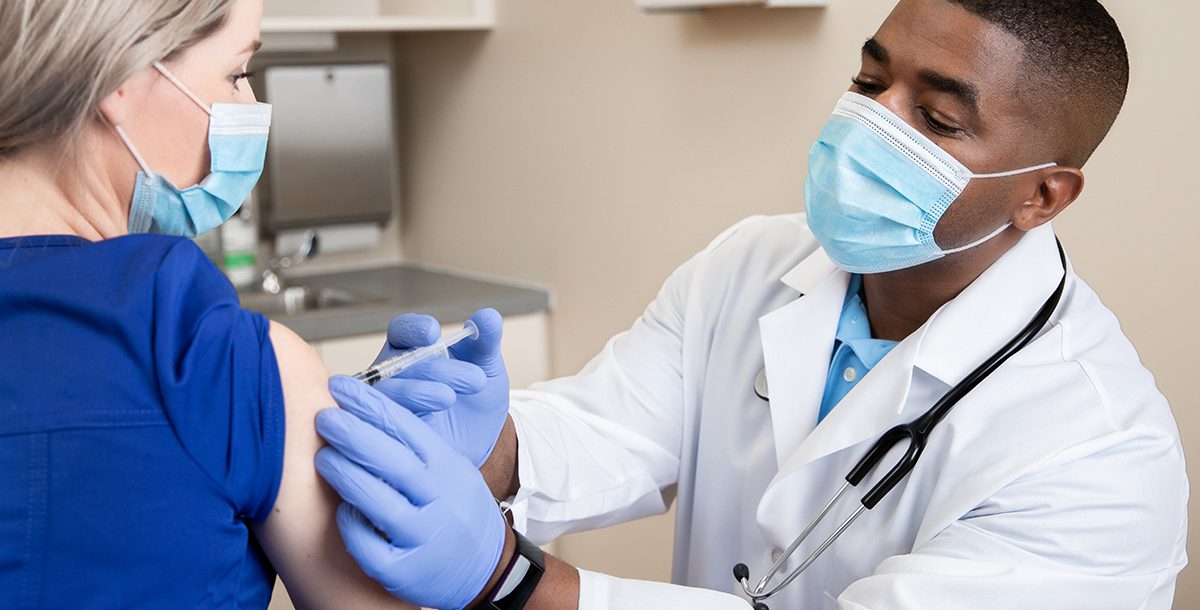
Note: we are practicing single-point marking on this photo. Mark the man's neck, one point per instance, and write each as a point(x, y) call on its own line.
point(900, 302)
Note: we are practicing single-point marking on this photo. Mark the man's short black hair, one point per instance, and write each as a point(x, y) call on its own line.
point(1074, 50)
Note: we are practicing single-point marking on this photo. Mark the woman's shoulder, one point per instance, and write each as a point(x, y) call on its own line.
point(172, 272)
point(121, 264)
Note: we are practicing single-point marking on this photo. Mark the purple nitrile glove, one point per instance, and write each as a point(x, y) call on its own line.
point(418, 517)
point(475, 372)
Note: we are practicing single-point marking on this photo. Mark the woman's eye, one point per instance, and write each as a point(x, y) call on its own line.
point(234, 78)
point(866, 87)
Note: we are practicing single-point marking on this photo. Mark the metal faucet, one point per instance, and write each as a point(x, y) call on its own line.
point(272, 283)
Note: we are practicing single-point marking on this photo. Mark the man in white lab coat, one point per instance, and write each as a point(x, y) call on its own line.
point(772, 360)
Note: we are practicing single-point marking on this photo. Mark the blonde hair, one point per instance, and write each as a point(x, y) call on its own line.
point(60, 58)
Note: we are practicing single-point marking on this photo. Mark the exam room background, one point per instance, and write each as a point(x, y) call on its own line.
point(592, 148)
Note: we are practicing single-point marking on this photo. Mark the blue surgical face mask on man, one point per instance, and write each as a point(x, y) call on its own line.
point(877, 188)
point(237, 142)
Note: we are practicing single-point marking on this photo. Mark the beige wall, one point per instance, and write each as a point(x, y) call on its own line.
point(593, 148)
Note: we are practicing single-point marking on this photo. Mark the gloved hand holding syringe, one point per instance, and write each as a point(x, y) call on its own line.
point(402, 362)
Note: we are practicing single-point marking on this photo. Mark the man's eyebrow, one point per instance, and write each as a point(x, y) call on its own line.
point(966, 93)
point(871, 48)
point(253, 47)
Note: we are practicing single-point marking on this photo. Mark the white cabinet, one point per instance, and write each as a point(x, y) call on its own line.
point(298, 16)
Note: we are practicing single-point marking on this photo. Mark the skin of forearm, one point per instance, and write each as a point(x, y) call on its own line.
point(559, 587)
point(500, 470)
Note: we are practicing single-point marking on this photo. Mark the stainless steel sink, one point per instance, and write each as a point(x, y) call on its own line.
point(298, 299)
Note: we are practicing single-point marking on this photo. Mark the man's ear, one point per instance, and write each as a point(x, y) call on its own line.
point(1059, 189)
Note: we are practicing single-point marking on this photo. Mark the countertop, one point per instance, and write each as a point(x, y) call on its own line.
point(385, 292)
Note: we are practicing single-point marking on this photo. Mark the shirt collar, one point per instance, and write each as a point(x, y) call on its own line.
point(953, 341)
point(854, 328)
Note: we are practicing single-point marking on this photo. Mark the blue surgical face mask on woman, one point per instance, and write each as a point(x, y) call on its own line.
point(237, 142)
point(877, 188)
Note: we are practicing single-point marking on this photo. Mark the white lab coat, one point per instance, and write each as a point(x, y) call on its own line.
point(1058, 483)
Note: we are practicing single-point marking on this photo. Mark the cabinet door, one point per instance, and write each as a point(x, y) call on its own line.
point(350, 355)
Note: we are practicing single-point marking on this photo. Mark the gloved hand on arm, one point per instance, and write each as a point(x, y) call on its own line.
point(474, 421)
point(417, 516)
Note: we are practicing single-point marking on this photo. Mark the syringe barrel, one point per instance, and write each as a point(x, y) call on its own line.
point(402, 362)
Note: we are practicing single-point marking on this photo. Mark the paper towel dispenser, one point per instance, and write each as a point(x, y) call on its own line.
point(332, 155)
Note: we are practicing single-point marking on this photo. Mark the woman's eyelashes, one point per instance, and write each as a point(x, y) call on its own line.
point(240, 76)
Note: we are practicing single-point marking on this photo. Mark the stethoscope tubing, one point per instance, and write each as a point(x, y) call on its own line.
point(916, 432)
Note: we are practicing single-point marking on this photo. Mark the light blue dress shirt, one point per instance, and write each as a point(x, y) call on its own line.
point(855, 352)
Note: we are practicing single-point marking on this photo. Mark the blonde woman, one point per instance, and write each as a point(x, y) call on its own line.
point(157, 441)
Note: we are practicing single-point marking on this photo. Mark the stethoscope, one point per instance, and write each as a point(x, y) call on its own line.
point(917, 434)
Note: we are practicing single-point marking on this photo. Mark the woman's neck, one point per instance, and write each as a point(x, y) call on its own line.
point(36, 198)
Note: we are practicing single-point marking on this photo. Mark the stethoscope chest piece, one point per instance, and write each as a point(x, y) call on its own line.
point(760, 385)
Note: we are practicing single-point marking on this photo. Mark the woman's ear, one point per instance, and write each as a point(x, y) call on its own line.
point(114, 108)
point(122, 104)
point(1058, 190)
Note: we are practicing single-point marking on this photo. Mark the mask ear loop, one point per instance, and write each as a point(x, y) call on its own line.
point(1015, 172)
point(978, 241)
point(182, 87)
point(137, 156)
point(1005, 226)
point(133, 149)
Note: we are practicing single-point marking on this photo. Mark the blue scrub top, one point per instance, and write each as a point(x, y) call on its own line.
point(141, 428)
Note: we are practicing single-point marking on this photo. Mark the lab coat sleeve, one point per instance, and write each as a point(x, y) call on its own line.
point(603, 446)
point(1102, 526)
point(602, 592)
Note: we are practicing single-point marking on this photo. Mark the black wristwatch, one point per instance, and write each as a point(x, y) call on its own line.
point(520, 578)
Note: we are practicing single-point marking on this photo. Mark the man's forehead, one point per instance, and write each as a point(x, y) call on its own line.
point(946, 39)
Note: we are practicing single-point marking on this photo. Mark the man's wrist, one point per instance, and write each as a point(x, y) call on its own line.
point(506, 556)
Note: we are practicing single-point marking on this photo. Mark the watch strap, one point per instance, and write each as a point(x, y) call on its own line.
point(521, 577)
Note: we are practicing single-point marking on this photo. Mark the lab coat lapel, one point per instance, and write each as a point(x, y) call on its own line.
point(797, 345)
point(866, 412)
point(969, 329)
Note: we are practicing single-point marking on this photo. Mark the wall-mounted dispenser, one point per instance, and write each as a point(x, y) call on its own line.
point(332, 156)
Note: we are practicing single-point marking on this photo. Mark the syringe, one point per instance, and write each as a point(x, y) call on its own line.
point(402, 362)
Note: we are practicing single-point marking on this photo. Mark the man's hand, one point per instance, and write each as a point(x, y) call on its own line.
point(417, 515)
point(476, 373)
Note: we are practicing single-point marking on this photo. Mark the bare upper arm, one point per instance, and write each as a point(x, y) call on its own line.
point(300, 537)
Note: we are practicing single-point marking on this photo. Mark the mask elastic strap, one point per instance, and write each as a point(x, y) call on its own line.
point(1016, 172)
point(133, 149)
point(978, 242)
point(182, 87)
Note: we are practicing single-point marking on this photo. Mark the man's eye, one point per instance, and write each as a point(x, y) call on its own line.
point(867, 87)
point(939, 126)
